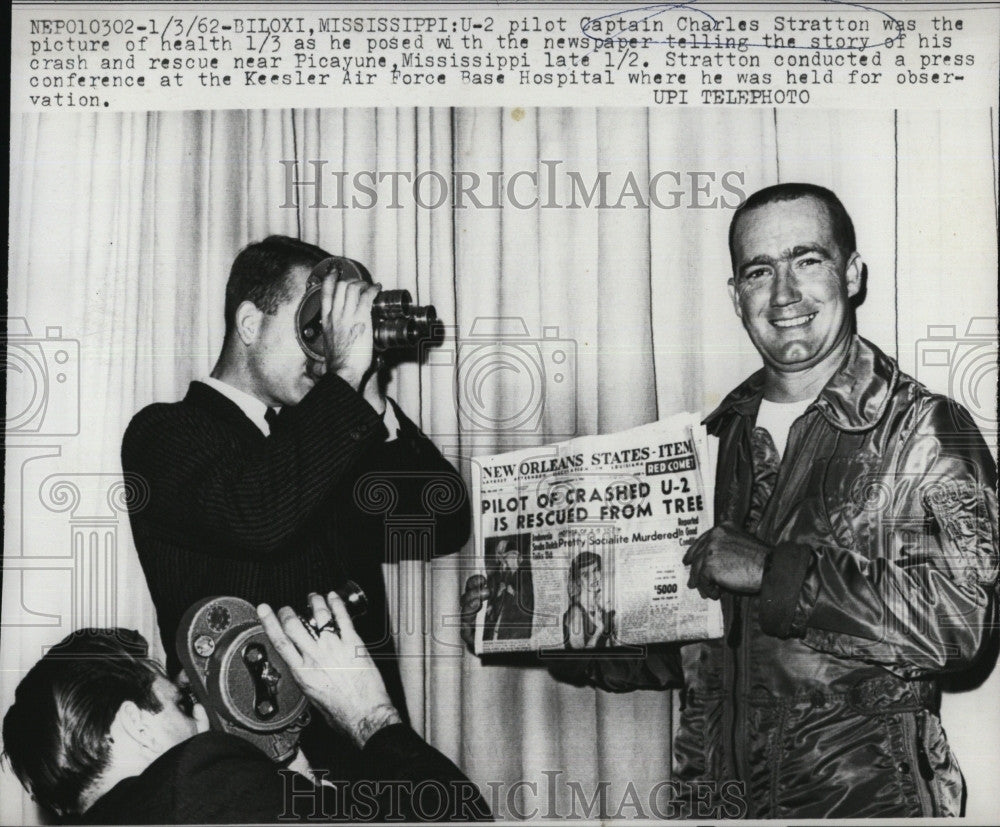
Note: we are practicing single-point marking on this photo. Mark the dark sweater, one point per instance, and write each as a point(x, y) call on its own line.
point(219, 778)
point(220, 509)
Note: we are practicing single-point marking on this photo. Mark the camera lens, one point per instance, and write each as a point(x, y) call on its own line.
point(399, 324)
point(309, 326)
point(392, 303)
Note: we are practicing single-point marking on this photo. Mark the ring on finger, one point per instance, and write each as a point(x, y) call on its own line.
point(330, 626)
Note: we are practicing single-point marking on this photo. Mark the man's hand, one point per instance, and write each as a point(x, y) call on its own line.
point(724, 558)
point(347, 327)
point(334, 670)
point(476, 591)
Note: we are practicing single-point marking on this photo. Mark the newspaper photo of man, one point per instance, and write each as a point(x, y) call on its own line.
point(511, 601)
point(586, 623)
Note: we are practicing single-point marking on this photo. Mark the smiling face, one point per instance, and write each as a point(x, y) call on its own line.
point(792, 285)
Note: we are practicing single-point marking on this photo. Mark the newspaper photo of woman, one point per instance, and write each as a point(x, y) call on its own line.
point(586, 623)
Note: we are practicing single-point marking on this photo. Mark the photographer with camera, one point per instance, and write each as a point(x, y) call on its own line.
point(99, 735)
point(236, 500)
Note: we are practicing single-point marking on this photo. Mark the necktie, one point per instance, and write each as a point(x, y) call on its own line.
point(271, 416)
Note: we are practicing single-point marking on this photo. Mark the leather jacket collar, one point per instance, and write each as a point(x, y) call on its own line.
point(854, 399)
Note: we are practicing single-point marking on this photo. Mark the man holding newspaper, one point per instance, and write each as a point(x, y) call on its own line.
point(854, 551)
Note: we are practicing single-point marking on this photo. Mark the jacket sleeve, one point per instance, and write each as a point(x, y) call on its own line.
point(256, 496)
point(404, 777)
point(407, 478)
point(216, 777)
point(655, 667)
point(220, 778)
point(923, 599)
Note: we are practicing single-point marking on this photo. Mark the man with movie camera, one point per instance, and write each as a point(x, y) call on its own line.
point(98, 735)
point(235, 500)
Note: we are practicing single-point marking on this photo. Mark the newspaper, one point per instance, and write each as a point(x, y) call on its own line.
point(582, 542)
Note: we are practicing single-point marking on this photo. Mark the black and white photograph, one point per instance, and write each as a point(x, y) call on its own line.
point(587, 623)
point(511, 601)
point(252, 352)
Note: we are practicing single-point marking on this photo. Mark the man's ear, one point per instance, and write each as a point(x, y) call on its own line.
point(129, 724)
point(853, 274)
point(132, 724)
point(735, 298)
point(248, 321)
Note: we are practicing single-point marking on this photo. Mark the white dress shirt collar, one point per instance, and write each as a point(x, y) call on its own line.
point(250, 405)
point(256, 410)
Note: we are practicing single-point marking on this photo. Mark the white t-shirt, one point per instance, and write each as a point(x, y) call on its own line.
point(777, 418)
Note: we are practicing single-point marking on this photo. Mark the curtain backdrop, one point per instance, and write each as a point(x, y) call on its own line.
point(123, 227)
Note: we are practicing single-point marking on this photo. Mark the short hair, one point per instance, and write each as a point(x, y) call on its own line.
point(55, 734)
point(584, 560)
point(843, 227)
point(260, 273)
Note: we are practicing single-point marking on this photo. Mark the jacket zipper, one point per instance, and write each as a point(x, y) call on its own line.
point(741, 627)
point(917, 763)
point(736, 643)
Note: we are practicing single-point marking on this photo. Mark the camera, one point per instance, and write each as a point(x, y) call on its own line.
point(43, 382)
point(239, 678)
point(397, 323)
